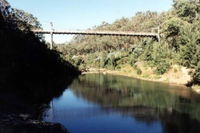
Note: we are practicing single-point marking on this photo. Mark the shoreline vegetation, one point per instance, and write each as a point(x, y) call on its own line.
point(174, 59)
point(126, 74)
point(169, 78)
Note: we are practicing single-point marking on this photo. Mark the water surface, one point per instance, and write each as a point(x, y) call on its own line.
point(115, 104)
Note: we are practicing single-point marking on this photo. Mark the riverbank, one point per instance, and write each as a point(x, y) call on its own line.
point(22, 112)
point(17, 116)
point(177, 75)
point(23, 123)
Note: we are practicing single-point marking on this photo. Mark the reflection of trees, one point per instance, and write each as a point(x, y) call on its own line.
point(175, 122)
point(140, 113)
point(146, 101)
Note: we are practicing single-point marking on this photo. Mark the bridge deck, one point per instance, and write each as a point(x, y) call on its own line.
point(104, 33)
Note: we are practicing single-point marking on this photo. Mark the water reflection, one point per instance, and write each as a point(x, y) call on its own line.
point(106, 103)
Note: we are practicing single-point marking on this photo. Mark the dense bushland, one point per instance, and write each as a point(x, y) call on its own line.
point(180, 41)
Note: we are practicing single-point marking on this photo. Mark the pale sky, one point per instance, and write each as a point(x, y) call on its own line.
point(83, 14)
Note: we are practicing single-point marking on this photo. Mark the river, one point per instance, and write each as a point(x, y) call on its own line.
point(97, 103)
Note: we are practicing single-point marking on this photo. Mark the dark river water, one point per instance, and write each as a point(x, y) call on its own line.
point(114, 104)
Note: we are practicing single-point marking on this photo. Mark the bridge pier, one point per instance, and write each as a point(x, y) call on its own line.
point(51, 44)
point(52, 30)
point(159, 34)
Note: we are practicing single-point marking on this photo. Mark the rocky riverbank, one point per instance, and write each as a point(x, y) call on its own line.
point(18, 115)
point(24, 123)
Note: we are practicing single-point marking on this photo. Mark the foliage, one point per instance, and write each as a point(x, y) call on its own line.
point(158, 56)
point(188, 10)
point(175, 31)
point(190, 54)
point(25, 19)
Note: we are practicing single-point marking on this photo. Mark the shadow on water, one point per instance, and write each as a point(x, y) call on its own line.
point(31, 75)
point(175, 109)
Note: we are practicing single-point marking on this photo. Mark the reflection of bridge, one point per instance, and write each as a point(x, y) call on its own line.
point(100, 33)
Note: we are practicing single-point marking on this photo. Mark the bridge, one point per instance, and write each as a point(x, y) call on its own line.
point(6, 11)
point(99, 33)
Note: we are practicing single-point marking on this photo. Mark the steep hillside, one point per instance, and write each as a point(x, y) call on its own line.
point(179, 45)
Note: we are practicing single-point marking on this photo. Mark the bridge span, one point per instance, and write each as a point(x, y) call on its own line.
point(99, 33)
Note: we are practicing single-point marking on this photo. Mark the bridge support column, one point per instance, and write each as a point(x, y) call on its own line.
point(159, 34)
point(51, 44)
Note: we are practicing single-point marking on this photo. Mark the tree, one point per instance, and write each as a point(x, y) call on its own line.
point(25, 20)
point(188, 10)
point(176, 31)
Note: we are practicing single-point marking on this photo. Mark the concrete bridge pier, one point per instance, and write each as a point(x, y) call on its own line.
point(52, 30)
point(51, 43)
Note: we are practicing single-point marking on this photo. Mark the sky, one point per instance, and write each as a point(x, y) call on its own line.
point(83, 14)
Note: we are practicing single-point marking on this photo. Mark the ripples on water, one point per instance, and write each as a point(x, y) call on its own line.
point(114, 104)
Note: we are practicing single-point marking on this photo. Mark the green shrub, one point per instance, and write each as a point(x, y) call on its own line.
point(139, 71)
point(158, 56)
point(175, 31)
point(162, 67)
